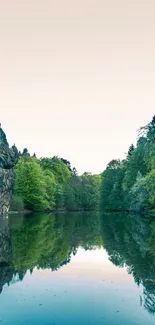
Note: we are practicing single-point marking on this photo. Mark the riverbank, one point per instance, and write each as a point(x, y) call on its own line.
point(63, 211)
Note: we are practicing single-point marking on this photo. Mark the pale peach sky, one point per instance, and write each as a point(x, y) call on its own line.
point(77, 78)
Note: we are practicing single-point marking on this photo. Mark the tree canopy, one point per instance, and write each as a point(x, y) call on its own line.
point(129, 184)
point(51, 182)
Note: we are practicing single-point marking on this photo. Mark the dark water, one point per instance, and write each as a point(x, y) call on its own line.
point(77, 269)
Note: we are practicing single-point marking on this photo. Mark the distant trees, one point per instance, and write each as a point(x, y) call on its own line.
point(84, 192)
point(111, 188)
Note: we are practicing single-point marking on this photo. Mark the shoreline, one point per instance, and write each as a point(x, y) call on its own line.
point(63, 211)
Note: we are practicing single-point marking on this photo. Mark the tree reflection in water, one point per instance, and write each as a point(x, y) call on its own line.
point(49, 241)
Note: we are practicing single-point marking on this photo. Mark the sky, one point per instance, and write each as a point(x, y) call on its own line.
point(77, 78)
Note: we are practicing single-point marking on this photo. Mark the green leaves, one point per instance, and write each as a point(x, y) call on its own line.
point(30, 185)
point(150, 186)
point(111, 190)
point(50, 183)
point(121, 186)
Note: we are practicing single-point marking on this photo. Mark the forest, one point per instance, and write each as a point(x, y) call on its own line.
point(48, 184)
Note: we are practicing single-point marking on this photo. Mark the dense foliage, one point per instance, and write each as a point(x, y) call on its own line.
point(130, 184)
point(50, 183)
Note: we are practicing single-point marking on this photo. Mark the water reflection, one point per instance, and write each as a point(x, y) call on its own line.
point(50, 241)
point(129, 241)
point(6, 268)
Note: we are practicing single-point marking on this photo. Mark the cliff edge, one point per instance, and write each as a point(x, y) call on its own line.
point(8, 159)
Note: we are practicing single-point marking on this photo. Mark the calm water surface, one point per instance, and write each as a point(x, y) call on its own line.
point(77, 269)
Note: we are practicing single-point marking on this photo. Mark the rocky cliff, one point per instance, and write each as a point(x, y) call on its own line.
point(8, 159)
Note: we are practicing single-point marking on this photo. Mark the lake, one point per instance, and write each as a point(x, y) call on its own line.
point(78, 268)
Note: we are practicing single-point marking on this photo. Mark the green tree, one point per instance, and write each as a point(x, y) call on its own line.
point(90, 187)
point(62, 175)
point(111, 189)
point(30, 185)
point(50, 186)
point(139, 194)
point(150, 187)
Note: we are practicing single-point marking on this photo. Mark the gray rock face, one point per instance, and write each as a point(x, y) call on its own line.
point(8, 159)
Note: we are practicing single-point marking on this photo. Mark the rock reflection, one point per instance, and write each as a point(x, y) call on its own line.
point(6, 268)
